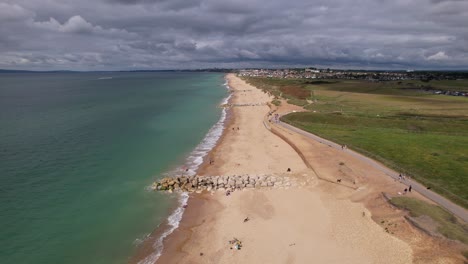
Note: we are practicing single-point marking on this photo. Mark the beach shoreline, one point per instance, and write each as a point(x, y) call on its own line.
point(347, 216)
point(195, 203)
point(198, 205)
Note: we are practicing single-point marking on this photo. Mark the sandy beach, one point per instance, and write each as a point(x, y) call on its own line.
point(316, 220)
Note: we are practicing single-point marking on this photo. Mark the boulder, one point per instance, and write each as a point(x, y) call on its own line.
point(231, 182)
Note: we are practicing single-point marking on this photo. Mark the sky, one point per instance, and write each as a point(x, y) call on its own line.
point(191, 34)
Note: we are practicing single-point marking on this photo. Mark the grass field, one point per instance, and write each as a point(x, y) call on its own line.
point(420, 134)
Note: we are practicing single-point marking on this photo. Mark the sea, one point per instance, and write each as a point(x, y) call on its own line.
point(78, 152)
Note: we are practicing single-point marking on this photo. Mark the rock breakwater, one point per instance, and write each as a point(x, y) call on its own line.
point(213, 183)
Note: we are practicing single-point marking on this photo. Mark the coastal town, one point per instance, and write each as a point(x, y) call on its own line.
point(399, 77)
point(315, 73)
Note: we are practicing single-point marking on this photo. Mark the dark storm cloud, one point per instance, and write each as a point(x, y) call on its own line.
point(163, 34)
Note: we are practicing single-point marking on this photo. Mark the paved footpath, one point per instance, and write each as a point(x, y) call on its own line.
point(457, 210)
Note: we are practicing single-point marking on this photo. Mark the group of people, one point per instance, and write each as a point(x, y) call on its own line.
point(276, 118)
point(402, 177)
point(408, 189)
point(236, 243)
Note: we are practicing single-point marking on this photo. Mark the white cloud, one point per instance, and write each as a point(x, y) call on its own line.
point(438, 56)
point(77, 25)
point(248, 54)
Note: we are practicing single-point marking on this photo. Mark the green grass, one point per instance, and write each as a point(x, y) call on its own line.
point(299, 102)
point(448, 225)
point(447, 85)
point(432, 150)
point(388, 87)
point(420, 134)
point(276, 102)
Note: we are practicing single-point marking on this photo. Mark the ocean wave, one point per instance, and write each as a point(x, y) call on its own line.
point(190, 167)
point(173, 221)
point(195, 158)
point(138, 241)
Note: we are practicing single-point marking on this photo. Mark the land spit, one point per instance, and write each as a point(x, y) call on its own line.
point(223, 183)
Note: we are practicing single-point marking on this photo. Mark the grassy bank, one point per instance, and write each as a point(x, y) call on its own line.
point(410, 130)
point(446, 223)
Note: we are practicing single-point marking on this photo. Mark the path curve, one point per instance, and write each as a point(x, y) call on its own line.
point(457, 210)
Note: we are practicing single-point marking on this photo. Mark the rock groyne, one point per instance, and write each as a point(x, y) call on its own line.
point(222, 183)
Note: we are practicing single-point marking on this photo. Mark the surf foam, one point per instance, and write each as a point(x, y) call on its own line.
point(192, 163)
point(195, 159)
point(173, 221)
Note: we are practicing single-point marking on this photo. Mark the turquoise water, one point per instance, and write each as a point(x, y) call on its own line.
point(77, 152)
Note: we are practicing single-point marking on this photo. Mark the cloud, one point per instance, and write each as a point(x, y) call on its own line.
point(438, 56)
point(162, 34)
point(76, 25)
point(161, 4)
point(13, 12)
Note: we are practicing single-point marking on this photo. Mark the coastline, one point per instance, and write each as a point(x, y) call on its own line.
point(270, 209)
point(188, 208)
point(337, 219)
point(199, 206)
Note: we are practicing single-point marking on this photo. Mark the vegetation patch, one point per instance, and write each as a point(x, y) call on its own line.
point(295, 92)
point(298, 102)
point(447, 224)
point(276, 102)
point(319, 82)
